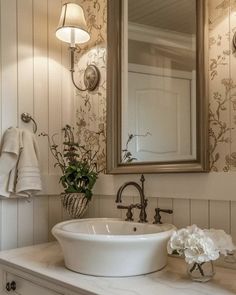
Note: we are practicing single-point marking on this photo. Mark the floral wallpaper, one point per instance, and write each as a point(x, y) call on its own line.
point(222, 99)
point(91, 107)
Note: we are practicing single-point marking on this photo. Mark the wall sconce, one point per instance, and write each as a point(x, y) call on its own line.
point(234, 40)
point(72, 29)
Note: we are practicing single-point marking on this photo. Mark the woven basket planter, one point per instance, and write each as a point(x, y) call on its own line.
point(75, 204)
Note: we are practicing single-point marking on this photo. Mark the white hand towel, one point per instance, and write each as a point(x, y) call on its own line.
point(19, 167)
point(28, 180)
point(11, 148)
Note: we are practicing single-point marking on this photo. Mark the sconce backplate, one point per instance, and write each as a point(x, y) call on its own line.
point(91, 77)
point(234, 40)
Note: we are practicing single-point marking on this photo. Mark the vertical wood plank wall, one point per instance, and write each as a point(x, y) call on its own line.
point(204, 213)
point(34, 78)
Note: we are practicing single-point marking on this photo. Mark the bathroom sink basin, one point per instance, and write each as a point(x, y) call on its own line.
point(112, 247)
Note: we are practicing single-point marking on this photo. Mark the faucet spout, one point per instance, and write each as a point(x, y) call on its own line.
point(143, 200)
point(118, 195)
point(121, 189)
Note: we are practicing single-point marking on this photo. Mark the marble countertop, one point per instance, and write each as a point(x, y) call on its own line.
point(46, 261)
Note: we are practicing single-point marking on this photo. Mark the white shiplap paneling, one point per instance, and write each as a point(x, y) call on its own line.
point(93, 210)
point(41, 220)
point(233, 221)
point(9, 105)
point(40, 74)
point(25, 221)
point(199, 213)
point(31, 65)
point(219, 215)
point(54, 213)
point(108, 207)
point(25, 59)
point(9, 223)
point(181, 212)
point(9, 63)
point(55, 75)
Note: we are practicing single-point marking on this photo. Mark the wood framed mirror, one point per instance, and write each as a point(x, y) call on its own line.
point(157, 86)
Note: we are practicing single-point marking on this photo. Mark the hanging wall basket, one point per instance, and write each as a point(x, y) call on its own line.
point(75, 204)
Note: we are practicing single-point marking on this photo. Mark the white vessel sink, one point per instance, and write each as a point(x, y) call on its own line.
point(112, 247)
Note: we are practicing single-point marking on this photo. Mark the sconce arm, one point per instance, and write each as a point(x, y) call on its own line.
point(91, 74)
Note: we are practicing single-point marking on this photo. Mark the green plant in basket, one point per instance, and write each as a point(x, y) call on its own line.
point(77, 163)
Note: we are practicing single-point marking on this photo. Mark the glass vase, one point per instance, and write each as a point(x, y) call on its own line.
point(201, 272)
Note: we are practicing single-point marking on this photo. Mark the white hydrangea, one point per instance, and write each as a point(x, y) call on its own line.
point(177, 241)
point(222, 241)
point(199, 245)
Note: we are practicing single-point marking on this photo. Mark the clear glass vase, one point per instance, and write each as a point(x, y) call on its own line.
point(201, 272)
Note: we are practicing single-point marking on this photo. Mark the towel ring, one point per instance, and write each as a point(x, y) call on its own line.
point(26, 117)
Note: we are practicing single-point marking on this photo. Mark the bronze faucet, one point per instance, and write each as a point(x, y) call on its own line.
point(143, 201)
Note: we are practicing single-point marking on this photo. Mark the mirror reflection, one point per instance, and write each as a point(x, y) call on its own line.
point(158, 106)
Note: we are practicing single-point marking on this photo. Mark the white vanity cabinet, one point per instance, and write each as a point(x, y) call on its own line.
point(21, 283)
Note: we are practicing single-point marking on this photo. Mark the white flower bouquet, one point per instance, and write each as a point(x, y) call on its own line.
point(199, 246)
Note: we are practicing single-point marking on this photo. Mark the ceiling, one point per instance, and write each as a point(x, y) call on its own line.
point(174, 15)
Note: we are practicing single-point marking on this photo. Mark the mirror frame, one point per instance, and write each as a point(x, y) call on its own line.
point(114, 82)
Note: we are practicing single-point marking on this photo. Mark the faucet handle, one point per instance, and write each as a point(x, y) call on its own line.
point(157, 217)
point(129, 214)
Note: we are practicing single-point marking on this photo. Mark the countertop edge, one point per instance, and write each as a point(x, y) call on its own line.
point(45, 277)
